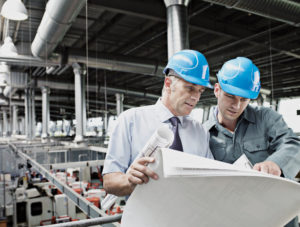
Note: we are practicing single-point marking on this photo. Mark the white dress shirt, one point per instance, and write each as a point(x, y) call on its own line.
point(135, 127)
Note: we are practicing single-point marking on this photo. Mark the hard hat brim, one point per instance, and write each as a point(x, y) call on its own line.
point(191, 79)
point(238, 91)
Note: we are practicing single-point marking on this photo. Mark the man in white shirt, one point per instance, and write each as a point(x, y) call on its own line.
point(187, 75)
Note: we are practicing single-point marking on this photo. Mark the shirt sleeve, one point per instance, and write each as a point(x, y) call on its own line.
point(208, 151)
point(119, 149)
point(284, 144)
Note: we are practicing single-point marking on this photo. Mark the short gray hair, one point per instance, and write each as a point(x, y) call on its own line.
point(173, 76)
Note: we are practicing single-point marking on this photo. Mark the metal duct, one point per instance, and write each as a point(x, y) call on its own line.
point(285, 11)
point(177, 20)
point(106, 61)
point(94, 88)
point(56, 21)
point(120, 63)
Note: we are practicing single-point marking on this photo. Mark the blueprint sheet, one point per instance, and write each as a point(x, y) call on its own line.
point(195, 191)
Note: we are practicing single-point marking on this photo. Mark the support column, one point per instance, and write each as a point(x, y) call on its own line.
point(15, 130)
point(261, 98)
point(5, 134)
point(28, 114)
point(32, 114)
point(1, 127)
point(22, 125)
point(205, 114)
point(177, 22)
point(79, 102)
point(119, 100)
point(45, 113)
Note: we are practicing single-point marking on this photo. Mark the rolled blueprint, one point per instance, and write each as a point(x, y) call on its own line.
point(161, 138)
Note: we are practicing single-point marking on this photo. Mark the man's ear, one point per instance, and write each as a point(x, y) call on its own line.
point(217, 90)
point(168, 82)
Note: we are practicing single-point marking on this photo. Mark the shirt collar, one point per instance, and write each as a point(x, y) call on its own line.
point(248, 115)
point(164, 114)
point(212, 120)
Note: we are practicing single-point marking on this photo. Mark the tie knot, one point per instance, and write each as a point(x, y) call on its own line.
point(174, 121)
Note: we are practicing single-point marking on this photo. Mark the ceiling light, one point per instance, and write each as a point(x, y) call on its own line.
point(14, 10)
point(8, 48)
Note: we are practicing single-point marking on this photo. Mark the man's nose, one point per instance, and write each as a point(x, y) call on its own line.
point(196, 96)
point(237, 103)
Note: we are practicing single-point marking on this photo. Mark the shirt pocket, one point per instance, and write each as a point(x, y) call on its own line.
point(257, 149)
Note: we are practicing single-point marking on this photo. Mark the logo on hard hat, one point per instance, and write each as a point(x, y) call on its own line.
point(255, 78)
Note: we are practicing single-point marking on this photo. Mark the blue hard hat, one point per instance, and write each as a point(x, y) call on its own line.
point(191, 66)
point(240, 77)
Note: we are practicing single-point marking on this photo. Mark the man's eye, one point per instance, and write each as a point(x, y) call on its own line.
point(190, 88)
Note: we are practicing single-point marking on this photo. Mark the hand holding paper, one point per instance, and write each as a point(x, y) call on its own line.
point(138, 172)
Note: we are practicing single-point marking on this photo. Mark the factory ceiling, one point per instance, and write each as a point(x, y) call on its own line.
point(122, 47)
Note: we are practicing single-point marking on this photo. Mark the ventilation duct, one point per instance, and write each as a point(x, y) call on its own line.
point(120, 63)
point(285, 11)
point(177, 21)
point(56, 21)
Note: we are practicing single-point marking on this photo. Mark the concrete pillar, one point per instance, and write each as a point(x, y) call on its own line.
point(15, 130)
point(261, 98)
point(206, 110)
point(79, 102)
point(177, 22)
point(119, 100)
point(45, 113)
point(21, 123)
point(32, 114)
point(5, 122)
point(27, 113)
point(105, 123)
point(1, 127)
point(84, 117)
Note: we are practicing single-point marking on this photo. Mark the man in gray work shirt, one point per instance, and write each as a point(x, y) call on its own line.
point(260, 133)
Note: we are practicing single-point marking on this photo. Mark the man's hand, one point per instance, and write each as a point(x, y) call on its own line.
point(268, 167)
point(139, 173)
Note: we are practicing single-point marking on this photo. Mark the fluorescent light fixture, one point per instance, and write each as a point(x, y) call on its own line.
point(14, 10)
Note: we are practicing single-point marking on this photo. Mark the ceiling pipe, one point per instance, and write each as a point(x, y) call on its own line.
point(177, 21)
point(284, 11)
point(115, 62)
point(56, 21)
point(105, 61)
point(94, 88)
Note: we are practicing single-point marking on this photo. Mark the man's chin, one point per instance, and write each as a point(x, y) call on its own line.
point(232, 116)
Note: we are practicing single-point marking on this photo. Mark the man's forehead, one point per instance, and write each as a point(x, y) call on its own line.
point(195, 85)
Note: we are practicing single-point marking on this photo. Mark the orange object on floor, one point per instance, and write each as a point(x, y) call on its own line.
point(78, 190)
point(95, 201)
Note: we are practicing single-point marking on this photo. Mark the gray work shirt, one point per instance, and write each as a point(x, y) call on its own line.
point(261, 134)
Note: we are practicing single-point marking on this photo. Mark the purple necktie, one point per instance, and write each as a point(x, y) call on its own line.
point(176, 145)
